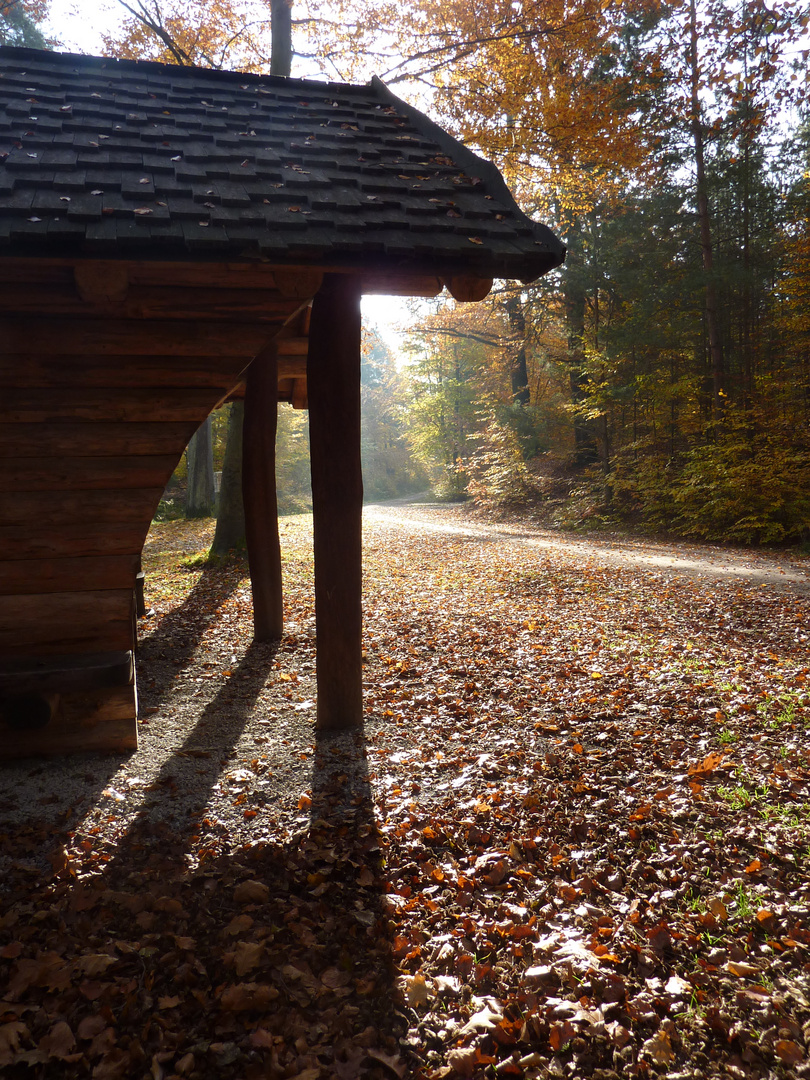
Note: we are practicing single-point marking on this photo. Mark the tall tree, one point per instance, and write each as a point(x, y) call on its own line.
point(19, 21)
point(200, 493)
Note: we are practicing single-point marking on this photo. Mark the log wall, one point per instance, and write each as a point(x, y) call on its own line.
point(105, 373)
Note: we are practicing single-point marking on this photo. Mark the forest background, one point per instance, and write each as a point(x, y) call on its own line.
point(662, 376)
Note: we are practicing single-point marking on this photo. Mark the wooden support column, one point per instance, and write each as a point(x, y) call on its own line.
point(333, 382)
point(259, 494)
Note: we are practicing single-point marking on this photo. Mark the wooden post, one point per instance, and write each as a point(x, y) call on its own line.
point(333, 382)
point(259, 494)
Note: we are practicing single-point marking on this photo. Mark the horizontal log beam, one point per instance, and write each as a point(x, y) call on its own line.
point(292, 367)
point(85, 473)
point(293, 346)
point(20, 370)
point(49, 624)
point(36, 541)
point(233, 341)
point(381, 284)
point(297, 281)
point(103, 405)
point(149, 302)
point(129, 506)
point(66, 674)
point(85, 574)
point(95, 282)
point(96, 721)
point(204, 275)
point(96, 439)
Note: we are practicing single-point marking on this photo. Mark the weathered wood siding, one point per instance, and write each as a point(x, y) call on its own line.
point(105, 375)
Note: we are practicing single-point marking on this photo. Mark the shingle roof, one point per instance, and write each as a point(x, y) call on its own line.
point(118, 158)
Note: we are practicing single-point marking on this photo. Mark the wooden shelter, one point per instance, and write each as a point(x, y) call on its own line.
point(167, 234)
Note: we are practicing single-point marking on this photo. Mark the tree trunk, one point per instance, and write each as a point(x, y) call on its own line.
point(200, 494)
point(704, 218)
point(230, 530)
point(259, 495)
point(280, 37)
point(333, 381)
point(585, 449)
point(521, 394)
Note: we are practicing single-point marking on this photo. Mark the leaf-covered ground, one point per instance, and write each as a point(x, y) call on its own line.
point(572, 842)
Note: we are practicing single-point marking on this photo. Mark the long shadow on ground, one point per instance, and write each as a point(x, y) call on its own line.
point(175, 955)
point(171, 647)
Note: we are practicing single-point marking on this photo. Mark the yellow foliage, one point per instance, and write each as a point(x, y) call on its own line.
point(232, 34)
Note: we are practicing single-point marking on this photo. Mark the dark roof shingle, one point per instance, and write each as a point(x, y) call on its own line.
point(103, 157)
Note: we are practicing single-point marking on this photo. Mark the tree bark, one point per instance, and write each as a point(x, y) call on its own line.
point(259, 495)
point(333, 379)
point(574, 300)
point(280, 37)
point(704, 218)
point(230, 530)
point(200, 494)
point(521, 394)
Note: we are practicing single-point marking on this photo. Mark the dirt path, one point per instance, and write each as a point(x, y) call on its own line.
point(697, 560)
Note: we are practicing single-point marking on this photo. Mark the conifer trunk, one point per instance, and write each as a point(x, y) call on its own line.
point(704, 219)
point(230, 530)
point(200, 493)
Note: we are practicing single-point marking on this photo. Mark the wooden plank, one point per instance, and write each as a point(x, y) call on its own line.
point(101, 405)
point(120, 337)
point(259, 494)
point(95, 281)
point(211, 275)
point(98, 721)
point(27, 370)
point(333, 378)
point(385, 284)
point(74, 673)
point(378, 280)
point(149, 302)
point(85, 473)
point(299, 283)
point(34, 541)
point(32, 369)
point(293, 346)
point(299, 396)
point(49, 624)
point(84, 574)
point(55, 508)
point(468, 289)
point(95, 440)
point(292, 367)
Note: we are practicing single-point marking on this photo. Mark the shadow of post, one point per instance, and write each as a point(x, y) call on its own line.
point(266, 960)
point(196, 766)
point(172, 645)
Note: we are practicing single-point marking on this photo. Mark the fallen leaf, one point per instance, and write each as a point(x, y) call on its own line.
point(790, 1052)
point(247, 956)
point(59, 1042)
point(244, 997)
point(251, 892)
point(659, 1048)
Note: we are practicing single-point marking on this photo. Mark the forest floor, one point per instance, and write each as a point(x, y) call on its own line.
point(573, 839)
